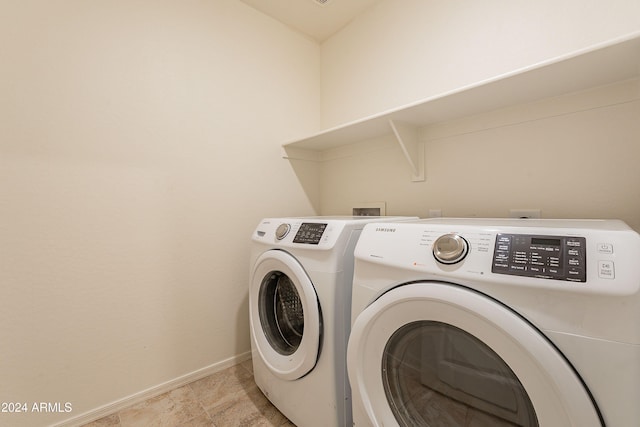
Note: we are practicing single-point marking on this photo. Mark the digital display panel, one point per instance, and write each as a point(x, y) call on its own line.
point(309, 233)
point(545, 241)
point(544, 257)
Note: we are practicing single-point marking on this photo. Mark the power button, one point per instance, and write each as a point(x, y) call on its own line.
point(605, 248)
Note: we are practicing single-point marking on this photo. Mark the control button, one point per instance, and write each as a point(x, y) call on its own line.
point(574, 262)
point(605, 248)
point(575, 272)
point(282, 231)
point(502, 256)
point(606, 270)
point(573, 252)
point(504, 240)
point(450, 248)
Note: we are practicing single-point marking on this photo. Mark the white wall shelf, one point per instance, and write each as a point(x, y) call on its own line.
point(599, 65)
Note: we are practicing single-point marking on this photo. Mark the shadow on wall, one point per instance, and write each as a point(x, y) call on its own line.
point(243, 344)
point(308, 174)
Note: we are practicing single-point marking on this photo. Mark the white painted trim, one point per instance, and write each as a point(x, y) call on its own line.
point(113, 407)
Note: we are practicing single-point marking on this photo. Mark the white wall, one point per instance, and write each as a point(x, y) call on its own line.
point(402, 51)
point(572, 164)
point(139, 147)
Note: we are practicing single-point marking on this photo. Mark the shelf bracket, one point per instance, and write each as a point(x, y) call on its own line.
point(413, 150)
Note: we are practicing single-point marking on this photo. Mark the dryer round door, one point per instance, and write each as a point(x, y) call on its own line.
point(434, 354)
point(284, 315)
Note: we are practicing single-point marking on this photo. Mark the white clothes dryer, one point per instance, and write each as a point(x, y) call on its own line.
point(496, 322)
point(300, 305)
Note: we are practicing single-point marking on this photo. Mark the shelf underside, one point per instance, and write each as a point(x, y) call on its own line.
point(598, 66)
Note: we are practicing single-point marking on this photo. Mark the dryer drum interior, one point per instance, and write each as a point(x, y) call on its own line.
point(432, 370)
point(281, 313)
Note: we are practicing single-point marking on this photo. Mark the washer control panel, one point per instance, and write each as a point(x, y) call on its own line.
point(310, 233)
point(548, 257)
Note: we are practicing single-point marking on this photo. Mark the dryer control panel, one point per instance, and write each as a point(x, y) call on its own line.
point(548, 257)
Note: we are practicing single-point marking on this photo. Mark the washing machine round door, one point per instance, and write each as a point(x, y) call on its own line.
point(434, 354)
point(285, 315)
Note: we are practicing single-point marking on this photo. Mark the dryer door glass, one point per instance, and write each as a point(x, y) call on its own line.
point(281, 313)
point(436, 374)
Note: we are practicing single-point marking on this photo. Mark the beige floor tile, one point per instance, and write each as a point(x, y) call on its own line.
point(229, 398)
point(248, 365)
point(170, 409)
point(201, 421)
point(223, 387)
point(252, 409)
point(108, 421)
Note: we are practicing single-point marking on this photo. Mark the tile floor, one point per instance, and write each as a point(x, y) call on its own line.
point(226, 398)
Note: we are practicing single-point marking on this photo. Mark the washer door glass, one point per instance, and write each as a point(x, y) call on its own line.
point(438, 375)
point(439, 354)
point(281, 313)
point(284, 312)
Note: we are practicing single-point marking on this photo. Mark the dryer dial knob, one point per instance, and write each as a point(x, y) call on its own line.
point(282, 231)
point(450, 248)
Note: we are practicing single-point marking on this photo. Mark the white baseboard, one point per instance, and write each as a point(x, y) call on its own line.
point(143, 395)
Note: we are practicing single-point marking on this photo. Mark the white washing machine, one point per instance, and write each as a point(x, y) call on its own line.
point(470, 322)
point(300, 305)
